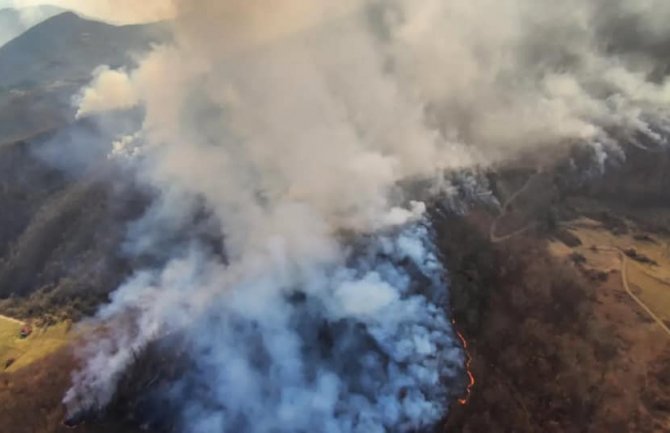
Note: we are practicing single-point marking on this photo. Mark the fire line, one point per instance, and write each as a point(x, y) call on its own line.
point(468, 367)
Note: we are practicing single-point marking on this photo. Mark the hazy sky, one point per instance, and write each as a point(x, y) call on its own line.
point(121, 11)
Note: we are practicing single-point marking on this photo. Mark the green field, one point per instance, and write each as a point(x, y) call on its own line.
point(39, 344)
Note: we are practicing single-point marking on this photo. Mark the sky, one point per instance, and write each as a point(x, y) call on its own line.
point(117, 11)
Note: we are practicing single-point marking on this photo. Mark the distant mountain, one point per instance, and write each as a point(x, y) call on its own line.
point(42, 69)
point(53, 204)
point(67, 47)
point(13, 21)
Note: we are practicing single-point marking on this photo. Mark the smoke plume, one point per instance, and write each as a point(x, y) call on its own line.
point(277, 136)
point(110, 90)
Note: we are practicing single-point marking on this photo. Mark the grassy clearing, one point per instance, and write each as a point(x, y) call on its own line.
point(24, 352)
point(9, 333)
point(651, 283)
point(653, 292)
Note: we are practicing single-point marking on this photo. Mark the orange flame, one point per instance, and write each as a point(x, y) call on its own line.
point(468, 367)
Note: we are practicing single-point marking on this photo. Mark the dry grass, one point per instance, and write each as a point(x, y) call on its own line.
point(31, 392)
point(41, 343)
point(9, 333)
point(652, 291)
point(651, 283)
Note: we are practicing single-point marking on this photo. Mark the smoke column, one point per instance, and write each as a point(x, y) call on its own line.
point(276, 138)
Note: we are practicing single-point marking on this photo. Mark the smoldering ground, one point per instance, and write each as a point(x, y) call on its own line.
point(286, 131)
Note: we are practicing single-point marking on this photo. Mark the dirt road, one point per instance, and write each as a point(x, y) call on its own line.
point(492, 230)
point(626, 285)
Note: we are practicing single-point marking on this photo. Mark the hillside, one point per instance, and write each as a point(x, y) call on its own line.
point(558, 342)
point(13, 21)
point(43, 68)
point(301, 228)
point(67, 47)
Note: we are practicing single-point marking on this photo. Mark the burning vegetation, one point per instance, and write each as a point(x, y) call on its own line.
point(468, 370)
point(276, 216)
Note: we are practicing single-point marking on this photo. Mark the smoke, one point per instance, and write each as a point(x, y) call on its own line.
point(110, 90)
point(519, 75)
point(278, 136)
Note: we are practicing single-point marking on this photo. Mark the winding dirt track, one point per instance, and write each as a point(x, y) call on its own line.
point(624, 259)
point(638, 301)
point(492, 230)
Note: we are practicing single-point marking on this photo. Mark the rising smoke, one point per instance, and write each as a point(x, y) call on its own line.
point(283, 130)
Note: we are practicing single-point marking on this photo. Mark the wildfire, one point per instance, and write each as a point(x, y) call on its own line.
point(468, 367)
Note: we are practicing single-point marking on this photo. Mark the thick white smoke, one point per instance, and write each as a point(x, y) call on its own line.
point(282, 130)
point(110, 90)
point(334, 342)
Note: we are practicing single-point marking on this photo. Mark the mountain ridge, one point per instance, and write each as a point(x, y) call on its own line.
point(44, 67)
point(15, 21)
point(69, 47)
